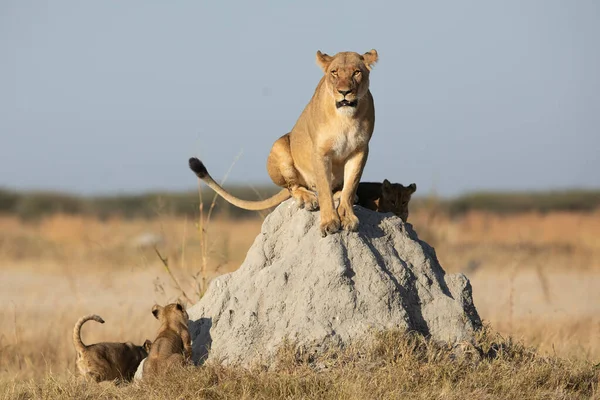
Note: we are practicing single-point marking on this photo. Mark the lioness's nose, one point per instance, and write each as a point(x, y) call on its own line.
point(344, 92)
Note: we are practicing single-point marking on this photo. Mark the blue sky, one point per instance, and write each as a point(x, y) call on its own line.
point(115, 96)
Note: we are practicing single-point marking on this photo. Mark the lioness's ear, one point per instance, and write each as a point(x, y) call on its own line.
point(147, 345)
point(156, 310)
point(370, 58)
point(323, 60)
point(412, 187)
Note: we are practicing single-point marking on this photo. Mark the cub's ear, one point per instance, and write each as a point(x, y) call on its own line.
point(156, 309)
point(147, 345)
point(179, 306)
point(323, 60)
point(370, 58)
point(387, 186)
point(413, 187)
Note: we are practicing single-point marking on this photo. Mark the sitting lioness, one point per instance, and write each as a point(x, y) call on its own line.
point(326, 150)
point(386, 197)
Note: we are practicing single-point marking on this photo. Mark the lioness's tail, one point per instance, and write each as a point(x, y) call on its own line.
point(79, 346)
point(200, 170)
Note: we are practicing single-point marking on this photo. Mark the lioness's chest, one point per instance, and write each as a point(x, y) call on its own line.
point(346, 138)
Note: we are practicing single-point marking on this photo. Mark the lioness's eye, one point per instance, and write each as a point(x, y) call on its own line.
point(333, 72)
point(356, 73)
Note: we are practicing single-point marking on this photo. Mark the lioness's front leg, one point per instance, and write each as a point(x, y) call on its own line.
point(330, 221)
point(337, 195)
point(352, 172)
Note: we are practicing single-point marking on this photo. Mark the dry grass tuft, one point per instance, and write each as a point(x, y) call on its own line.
point(394, 365)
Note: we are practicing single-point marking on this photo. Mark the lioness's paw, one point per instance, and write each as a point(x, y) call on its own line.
point(312, 204)
point(306, 199)
point(348, 218)
point(329, 227)
point(350, 222)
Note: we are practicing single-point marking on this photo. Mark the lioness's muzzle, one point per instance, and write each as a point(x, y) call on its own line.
point(346, 103)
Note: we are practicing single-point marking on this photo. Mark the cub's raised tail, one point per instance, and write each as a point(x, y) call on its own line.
point(77, 342)
point(201, 172)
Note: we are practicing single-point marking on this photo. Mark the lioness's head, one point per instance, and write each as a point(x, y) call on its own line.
point(395, 198)
point(347, 77)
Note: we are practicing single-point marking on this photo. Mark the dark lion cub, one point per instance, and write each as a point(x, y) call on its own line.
point(107, 361)
point(386, 197)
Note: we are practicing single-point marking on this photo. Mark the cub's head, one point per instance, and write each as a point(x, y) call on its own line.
point(395, 198)
point(140, 351)
point(347, 77)
point(171, 313)
point(147, 346)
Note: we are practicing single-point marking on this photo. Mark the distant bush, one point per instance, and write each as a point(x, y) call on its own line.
point(8, 201)
point(507, 202)
point(33, 205)
point(37, 204)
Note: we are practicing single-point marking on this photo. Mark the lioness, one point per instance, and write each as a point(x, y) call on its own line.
point(172, 345)
point(386, 197)
point(328, 147)
point(107, 361)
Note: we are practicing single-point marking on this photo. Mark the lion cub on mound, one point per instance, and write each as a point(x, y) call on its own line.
point(173, 345)
point(386, 197)
point(107, 361)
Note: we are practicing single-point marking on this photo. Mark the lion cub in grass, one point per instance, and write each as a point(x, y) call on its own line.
point(173, 345)
point(107, 361)
point(386, 197)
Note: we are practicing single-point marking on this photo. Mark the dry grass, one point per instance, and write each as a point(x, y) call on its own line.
point(112, 245)
point(554, 241)
point(394, 365)
point(534, 277)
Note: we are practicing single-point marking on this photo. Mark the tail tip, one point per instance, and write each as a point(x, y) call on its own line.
point(198, 167)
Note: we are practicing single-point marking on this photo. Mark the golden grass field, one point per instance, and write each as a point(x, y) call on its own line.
point(535, 278)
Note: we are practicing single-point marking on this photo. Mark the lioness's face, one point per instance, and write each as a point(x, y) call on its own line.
point(395, 198)
point(347, 77)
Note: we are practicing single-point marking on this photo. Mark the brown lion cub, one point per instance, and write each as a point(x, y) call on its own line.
point(107, 361)
point(386, 197)
point(173, 345)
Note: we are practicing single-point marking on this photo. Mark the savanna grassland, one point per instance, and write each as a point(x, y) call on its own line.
point(535, 277)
